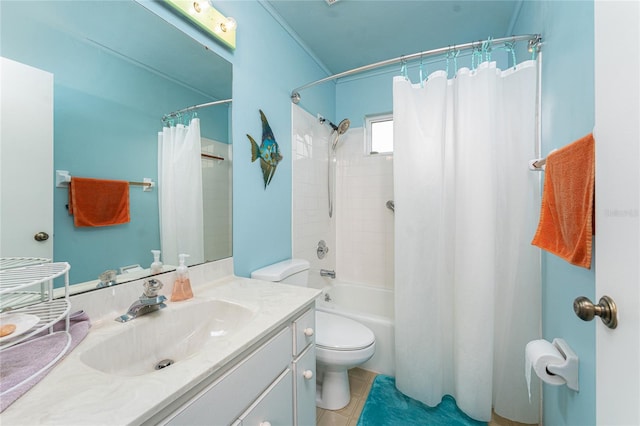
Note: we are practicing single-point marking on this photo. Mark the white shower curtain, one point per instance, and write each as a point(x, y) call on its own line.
point(467, 279)
point(180, 193)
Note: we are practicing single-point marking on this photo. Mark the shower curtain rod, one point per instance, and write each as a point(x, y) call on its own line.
point(194, 107)
point(533, 39)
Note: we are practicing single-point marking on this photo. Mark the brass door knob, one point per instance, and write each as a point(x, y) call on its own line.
point(41, 236)
point(606, 309)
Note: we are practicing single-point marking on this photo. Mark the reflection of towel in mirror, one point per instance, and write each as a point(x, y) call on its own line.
point(98, 202)
point(25, 359)
point(566, 217)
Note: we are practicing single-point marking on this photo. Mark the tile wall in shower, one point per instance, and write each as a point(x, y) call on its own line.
point(360, 234)
point(310, 217)
point(364, 225)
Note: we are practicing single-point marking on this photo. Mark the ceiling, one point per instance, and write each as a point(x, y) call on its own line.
point(352, 33)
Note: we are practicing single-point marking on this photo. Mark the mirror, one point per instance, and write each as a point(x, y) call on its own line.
point(118, 68)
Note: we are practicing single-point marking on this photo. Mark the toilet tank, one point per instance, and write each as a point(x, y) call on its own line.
point(291, 271)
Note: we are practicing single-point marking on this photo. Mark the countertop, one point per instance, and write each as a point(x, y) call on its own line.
point(76, 394)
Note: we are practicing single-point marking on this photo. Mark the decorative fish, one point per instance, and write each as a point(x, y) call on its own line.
point(268, 151)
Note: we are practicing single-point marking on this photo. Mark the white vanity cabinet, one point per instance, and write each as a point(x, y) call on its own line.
point(304, 368)
point(272, 385)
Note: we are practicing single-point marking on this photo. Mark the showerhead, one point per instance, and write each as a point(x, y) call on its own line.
point(342, 127)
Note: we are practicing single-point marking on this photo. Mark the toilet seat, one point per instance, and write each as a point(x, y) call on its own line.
point(339, 333)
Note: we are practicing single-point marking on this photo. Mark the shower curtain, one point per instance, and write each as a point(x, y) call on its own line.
point(467, 279)
point(180, 193)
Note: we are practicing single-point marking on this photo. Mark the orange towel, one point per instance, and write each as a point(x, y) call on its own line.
point(566, 217)
point(97, 202)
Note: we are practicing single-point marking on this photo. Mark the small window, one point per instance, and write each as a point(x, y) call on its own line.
point(379, 134)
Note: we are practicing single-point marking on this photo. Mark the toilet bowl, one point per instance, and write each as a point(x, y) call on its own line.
point(341, 343)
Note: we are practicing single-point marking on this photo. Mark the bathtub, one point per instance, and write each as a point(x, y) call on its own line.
point(371, 306)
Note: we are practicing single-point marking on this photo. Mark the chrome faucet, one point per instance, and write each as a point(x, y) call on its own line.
point(150, 301)
point(327, 273)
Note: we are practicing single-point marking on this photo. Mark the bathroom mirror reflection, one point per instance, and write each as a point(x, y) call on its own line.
point(117, 69)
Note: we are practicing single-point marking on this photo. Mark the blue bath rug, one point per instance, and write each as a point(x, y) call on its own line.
point(387, 406)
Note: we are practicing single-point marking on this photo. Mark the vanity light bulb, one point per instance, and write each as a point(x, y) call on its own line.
point(231, 24)
point(228, 25)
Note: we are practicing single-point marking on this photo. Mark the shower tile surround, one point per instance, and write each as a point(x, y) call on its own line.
point(360, 234)
point(310, 217)
point(364, 225)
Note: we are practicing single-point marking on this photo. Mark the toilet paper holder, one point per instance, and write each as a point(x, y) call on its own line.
point(569, 369)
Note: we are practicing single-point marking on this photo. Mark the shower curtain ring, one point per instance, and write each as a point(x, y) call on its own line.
point(403, 68)
point(456, 52)
point(447, 58)
point(421, 72)
point(486, 48)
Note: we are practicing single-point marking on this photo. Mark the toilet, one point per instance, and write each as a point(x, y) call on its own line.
point(341, 343)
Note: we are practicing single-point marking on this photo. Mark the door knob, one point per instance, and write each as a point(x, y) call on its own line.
point(41, 236)
point(605, 309)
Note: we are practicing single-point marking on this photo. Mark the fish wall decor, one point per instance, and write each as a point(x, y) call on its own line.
point(268, 152)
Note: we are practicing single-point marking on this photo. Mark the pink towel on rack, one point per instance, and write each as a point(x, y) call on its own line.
point(98, 202)
point(25, 359)
point(566, 218)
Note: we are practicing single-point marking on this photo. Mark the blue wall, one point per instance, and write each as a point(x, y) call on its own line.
point(107, 114)
point(567, 114)
point(267, 65)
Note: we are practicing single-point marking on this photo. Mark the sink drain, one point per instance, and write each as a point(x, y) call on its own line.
point(163, 364)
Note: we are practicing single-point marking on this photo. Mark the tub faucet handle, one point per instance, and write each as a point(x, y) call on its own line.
point(322, 249)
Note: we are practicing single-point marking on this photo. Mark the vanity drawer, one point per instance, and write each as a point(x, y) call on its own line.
point(274, 406)
point(224, 400)
point(304, 331)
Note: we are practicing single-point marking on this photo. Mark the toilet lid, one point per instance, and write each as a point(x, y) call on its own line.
point(341, 333)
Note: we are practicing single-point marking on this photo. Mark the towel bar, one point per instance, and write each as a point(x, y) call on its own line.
point(63, 178)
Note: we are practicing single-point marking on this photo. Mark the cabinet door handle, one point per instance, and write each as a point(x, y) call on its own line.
point(308, 374)
point(308, 332)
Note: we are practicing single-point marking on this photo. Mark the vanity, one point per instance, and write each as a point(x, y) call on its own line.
point(240, 352)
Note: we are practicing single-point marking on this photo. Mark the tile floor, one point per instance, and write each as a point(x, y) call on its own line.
point(360, 381)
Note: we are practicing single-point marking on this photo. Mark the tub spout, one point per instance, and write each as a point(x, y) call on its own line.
point(328, 273)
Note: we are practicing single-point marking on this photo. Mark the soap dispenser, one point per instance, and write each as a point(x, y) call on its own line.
point(182, 285)
point(156, 266)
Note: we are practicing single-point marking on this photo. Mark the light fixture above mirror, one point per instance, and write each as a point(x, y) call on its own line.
point(206, 17)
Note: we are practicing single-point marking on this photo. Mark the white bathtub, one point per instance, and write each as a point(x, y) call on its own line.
point(371, 306)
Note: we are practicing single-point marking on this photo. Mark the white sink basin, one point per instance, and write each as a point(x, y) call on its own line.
point(174, 333)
